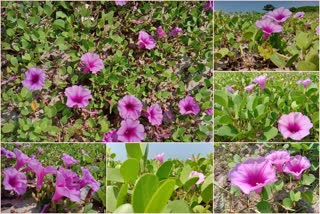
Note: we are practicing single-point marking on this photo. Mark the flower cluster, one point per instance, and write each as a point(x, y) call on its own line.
point(254, 174)
point(67, 183)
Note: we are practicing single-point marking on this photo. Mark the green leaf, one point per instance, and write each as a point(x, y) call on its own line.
point(125, 208)
point(306, 66)
point(59, 23)
point(225, 119)
point(295, 196)
point(308, 196)
point(279, 60)
point(303, 40)
point(8, 127)
point(221, 98)
point(134, 150)
point(190, 182)
point(178, 206)
point(164, 170)
point(160, 198)
point(228, 130)
point(129, 170)
point(287, 203)
point(264, 207)
point(50, 111)
point(184, 175)
point(111, 199)
point(270, 133)
point(122, 195)
point(207, 189)
point(308, 179)
point(113, 174)
point(145, 187)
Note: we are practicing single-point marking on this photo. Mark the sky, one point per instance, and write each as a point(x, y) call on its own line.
point(245, 6)
point(181, 151)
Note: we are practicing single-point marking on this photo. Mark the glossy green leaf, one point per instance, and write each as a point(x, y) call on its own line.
point(129, 170)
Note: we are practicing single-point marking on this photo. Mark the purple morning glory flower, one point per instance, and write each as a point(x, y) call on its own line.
point(34, 79)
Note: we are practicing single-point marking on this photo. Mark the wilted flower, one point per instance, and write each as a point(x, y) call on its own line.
point(160, 32)
point(197, 174)
point(296, 166)
point(189, 106)
point(87, 178)
point(91, 62)
point(68, 160)
point(279, 15)
point(159, 157)
point(268, 27)
point(261, 80)
point(175, 31)
point(120, 3)
point(146, 41)
point(40, 171)
point(209, 111)
point(77, 96)
point(299, 15)
point(278, 158)
point(155, 116)
point(131, 131)
point(129, 107)
point(137, 22)
point(34, 79)
point(252, 175)
point(249, 88)
point(110, 136)
point(305, 82)
point(15, 180)
point(67, 185)
point(230, 89)
point(294, 125)
point(22, 158)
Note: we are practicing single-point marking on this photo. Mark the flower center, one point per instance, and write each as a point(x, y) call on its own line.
point(12, 182)
point(296, 168)
point(280, 16)
point(91, 64)
point(77, 99)
point(128, 132)
point(293, 127)
point(129, 106)
point(35, 78)
point(188, 108)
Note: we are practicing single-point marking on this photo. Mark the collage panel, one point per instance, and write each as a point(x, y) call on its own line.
point(266, 178)
point(92, 71)
point(53, 178)
point(266, 107)
point(160, 177)
point(266, 35)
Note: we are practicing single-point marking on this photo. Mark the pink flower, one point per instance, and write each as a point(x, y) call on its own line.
point(252, 175)
point(297, 165)
point(129, 107)
point(34, 79)
point(146, 41)
point(299, 15)
point(261, 80)
point(209, 111)
point(159, 157)
point(68, 160)
point(131, 131)
point(40, 171)
point(268, 27)
point(120, 3)
point(189, 106)
point(77, 96)
point(67, 185)
point(278, 158)
point(209, 5)
point(305, 82)
point(110, 136)
point(87, 178)
point(230, 89)
point(40, 150)
point(197, 174)
point(160, 32)
point(155, 116)
point(175, 31)
point(317, 30)
point(279, 15)
point(295, 125)
point(15, 180)
point(91, 62)
point(22, 158)
point(7, 153)
point(249, 88)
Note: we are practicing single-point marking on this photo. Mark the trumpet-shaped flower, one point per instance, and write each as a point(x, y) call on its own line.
point(189, 106)
point(34, 79)
point(279, 15)
point(294, 125)
point(129, 107)
point(160, 32)
point(40, 171)
point(268, 27)
point(146, 41)
point(278, 158)
point(91, 62)
point(261, 80)
point(305, 82)
point(249, 88)
point(155, 116)
point(197, 174)
point(77, 96)
point(230, 89)
point(88, 179)
point(299, 15)
point(131, 131)
point(120, 3)
point(296, 166)
point(68, 160)
point(159, 157)
point(209, 111)
point(175, 31)
point(22, 158)
point(15, 180)
point(253, 175)
point(110, 136)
